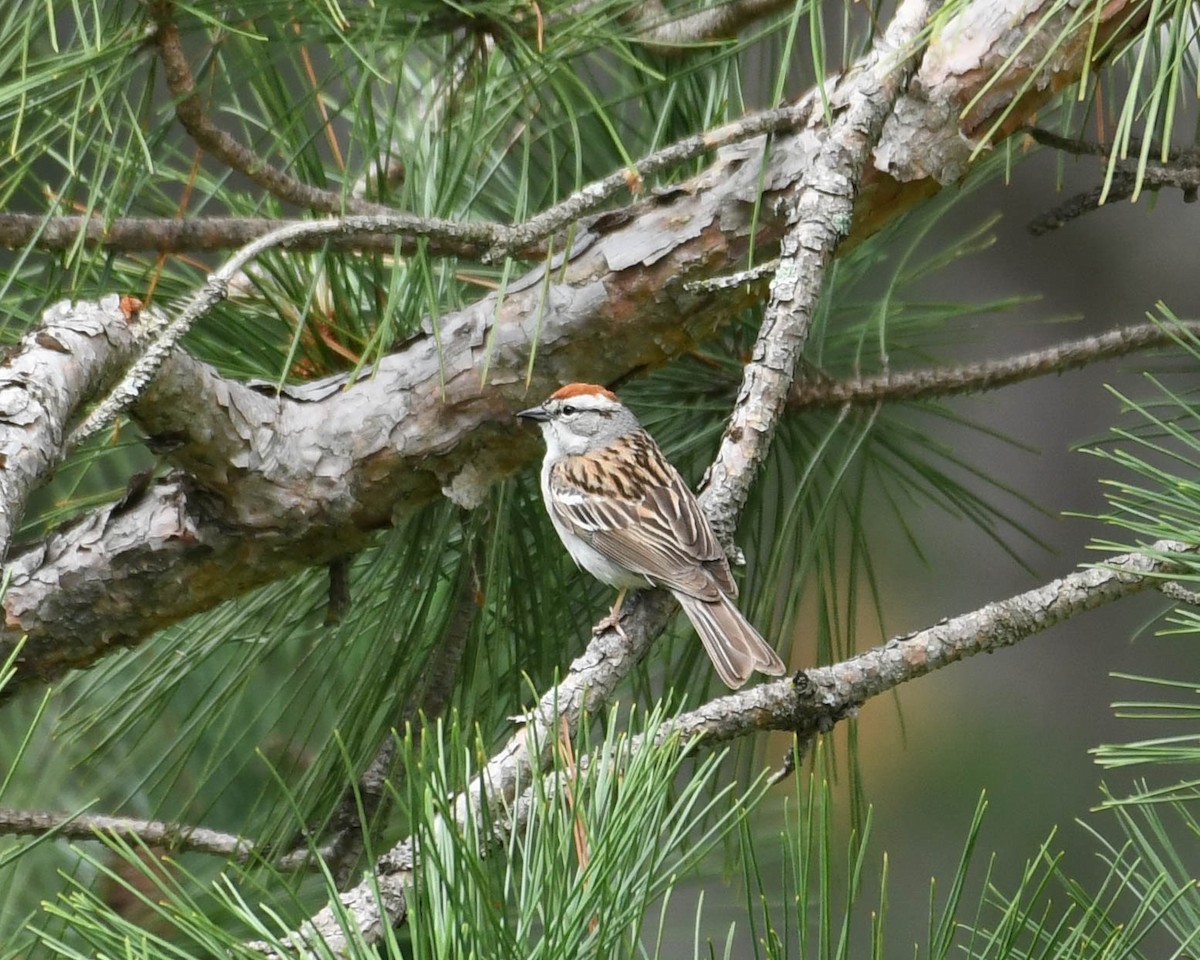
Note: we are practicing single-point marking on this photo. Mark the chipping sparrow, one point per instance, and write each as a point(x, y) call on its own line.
point(627, 517)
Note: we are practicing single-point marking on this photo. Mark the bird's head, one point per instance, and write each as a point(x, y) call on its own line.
point(580, 418)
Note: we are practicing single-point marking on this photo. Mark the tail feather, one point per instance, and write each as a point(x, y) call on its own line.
point(734, 646)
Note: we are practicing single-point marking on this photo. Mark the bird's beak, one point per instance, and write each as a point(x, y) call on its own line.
point(537, 414)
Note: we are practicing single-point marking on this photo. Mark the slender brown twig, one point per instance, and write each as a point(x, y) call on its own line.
point(988, 375)
point(1174, 167)
point(190, 113)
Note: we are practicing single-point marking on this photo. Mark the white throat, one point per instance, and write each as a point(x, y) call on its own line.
point(561, 441)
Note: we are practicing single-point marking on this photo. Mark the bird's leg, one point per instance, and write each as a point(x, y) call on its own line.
point(614, 617)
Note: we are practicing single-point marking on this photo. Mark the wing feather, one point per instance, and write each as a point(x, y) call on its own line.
point(634, 508)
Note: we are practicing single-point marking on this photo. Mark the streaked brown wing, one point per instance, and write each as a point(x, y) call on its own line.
point(633, 507)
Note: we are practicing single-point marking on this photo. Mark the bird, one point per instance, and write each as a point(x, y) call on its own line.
point(628, 518)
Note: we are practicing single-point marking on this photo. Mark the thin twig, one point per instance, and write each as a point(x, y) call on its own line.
point(596, 194)
point(88, 826)
point(222, 146)
point(1121, 187)
point(759, 274)
point(989, 375)
point(1056, 141)
point(1174, 167)
point(443, 238)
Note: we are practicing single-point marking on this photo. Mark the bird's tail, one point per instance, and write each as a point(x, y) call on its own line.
point(734, 646)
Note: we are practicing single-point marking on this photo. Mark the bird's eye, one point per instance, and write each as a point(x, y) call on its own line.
point(569, 410)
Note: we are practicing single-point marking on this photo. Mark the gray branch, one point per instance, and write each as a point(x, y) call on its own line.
point(811, 702)
point(826, 392)
point(88, 826)
point(815, 699)
point(818, 218)
point(44, 381)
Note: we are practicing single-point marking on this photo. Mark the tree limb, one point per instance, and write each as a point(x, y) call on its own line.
point(44, 381)
point(87, 826)
point(226, 148)
point(811, 702)
point(826, 392)
point(818, 219)
point(815, 699)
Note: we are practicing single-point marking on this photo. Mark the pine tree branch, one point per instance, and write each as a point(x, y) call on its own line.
point(44, 381)
point(443, 238)
point(222, 146)
point(159, 833)
point(88, 826)
point(988, 375)
point(590, 198)
point(814, 700)
point(1173, 590)
point(818, 219)
point(1176, 167)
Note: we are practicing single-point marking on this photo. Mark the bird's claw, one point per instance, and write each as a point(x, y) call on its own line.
point(610, 622)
